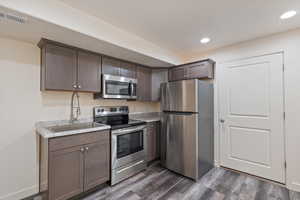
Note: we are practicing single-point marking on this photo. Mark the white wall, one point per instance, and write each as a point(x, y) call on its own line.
point(21, 105)
point(289, 43)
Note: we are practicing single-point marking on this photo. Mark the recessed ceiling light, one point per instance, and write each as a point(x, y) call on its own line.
point(288, 14)
point(205, 40)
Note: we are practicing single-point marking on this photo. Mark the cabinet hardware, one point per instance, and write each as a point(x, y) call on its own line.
point(74, 86)
point(222, 120)
point(86, 148)
point(79, 86)
point(82, 149)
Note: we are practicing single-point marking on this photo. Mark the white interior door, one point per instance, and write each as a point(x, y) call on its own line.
point(251, 116)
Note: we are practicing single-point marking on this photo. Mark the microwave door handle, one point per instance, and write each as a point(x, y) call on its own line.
point(131, 89)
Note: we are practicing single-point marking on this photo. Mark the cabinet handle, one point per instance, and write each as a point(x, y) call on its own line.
point(74, 86)
point(79, 86)
point(82, 149)
point(222, 120)
point(86, 148)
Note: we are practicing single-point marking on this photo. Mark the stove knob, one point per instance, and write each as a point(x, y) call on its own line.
point(113, 109)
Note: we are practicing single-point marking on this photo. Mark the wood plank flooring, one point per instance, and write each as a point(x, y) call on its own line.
point(157, 183)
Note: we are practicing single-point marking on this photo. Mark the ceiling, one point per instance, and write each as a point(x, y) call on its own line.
point(178, 25)
point(34, 29)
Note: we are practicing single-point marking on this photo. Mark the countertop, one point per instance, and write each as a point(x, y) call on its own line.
point(42, 128)
point(146, 117)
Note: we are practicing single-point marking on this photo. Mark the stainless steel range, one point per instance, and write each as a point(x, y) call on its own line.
point(128, 141)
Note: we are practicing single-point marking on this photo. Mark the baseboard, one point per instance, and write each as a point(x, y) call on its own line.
point(21, 193)
point(294, 186)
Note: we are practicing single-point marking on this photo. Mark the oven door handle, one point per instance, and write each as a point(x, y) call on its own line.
point(127, 130)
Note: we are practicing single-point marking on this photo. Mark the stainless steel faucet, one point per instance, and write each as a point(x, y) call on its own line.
point(74, 117)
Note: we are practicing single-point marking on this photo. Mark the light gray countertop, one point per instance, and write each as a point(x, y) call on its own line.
point(45, 128)
point(146, 117)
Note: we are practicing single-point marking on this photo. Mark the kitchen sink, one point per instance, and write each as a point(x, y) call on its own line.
point(74, 126)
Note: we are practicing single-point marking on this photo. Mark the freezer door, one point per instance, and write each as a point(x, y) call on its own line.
point(181, 142)
point(180, 96)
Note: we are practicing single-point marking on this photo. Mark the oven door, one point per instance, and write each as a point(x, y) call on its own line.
point(128, 145)
point(118, 87)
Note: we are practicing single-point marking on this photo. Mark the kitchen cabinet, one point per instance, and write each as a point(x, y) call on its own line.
point(144, 76)
point(110, 66)
point(117, 67)
point(68, 68)
point(153, 135)
point(66, 173)
point(74, 164)
point(58, 69)
point(177, 73)
point(158, 76)
point(128, 70)
point(89, 72)
point(96, 162)
point(149, 80)
point(200, 69)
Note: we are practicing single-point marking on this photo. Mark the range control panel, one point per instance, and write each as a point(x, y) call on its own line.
point(107, 110)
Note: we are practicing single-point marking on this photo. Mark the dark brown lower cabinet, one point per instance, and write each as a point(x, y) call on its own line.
point(153, 131)
point(66, 173)
point(75, 164)
point(96, 164)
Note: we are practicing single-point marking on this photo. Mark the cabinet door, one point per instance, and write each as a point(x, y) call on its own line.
point(144, 84)
point(158, 77)
point(153, 141)
point(128, 70)
point(177, 73)
point(110, 66)
point(89, 72)
point(59, 67)
point(200, 70)
point(65, 173)
point(96, 164)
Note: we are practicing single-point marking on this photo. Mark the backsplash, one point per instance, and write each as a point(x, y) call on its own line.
point(57, 105)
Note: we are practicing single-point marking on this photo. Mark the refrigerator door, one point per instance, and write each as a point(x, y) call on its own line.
point(181, 142)
point(180, 96)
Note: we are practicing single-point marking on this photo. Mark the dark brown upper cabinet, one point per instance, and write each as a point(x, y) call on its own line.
point(68, 68)
point(128, 69)
point(177, 73)
point(110, 66)
point(159, 76)
point(117, 67)
point(200, 69)
point(89, 72)
point(58, 69)
point(144, 83)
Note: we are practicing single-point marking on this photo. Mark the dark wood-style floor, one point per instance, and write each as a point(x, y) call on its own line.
point(157, 183)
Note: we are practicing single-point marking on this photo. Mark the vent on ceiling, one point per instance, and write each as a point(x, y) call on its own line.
point(16, 18)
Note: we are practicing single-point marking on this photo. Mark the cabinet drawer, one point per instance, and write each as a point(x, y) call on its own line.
point(76, 140)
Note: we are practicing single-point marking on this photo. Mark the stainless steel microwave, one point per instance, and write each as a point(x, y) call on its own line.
point(118, 87)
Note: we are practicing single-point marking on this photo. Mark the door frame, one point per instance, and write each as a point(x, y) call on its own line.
point(217, 102)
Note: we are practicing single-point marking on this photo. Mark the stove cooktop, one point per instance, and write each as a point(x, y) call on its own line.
point(117, 117)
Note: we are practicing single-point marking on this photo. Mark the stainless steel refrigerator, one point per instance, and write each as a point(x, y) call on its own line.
point(187, 141)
